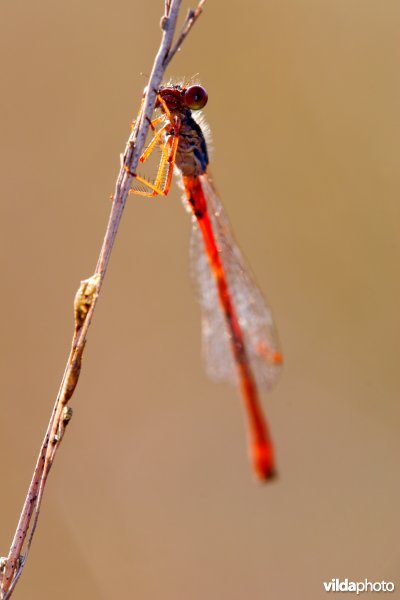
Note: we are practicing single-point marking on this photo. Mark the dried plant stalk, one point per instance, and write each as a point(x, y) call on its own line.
point(85, 302)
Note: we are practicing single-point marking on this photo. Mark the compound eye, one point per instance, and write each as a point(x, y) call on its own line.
point(195, 97)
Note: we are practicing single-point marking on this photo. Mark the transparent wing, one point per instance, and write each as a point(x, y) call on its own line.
point(254, 316)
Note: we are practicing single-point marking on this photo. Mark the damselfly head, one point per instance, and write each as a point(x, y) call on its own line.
point(178, 98)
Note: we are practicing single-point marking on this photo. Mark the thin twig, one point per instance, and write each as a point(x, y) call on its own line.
point(190, 20)
point(85, 303)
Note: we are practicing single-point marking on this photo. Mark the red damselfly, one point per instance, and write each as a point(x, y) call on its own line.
point(239, 339)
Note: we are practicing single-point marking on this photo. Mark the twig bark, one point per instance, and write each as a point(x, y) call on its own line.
point(85, 302)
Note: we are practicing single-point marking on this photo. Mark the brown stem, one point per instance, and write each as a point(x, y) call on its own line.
point(190, 20)
point(85, 303)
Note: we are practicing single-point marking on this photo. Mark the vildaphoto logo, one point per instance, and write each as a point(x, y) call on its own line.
point(344, 585)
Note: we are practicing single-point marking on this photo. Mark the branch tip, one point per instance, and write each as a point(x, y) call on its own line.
point(190, 20)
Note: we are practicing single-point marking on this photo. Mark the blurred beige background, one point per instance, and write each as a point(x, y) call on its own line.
point(151, 495)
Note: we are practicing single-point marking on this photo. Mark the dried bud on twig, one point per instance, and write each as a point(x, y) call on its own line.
point(84, 298)
point(65, 419)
